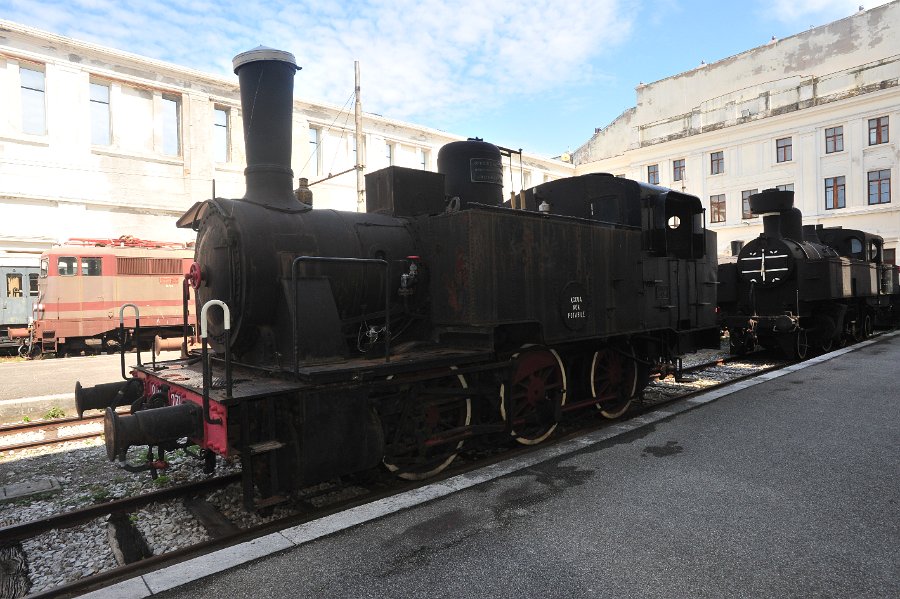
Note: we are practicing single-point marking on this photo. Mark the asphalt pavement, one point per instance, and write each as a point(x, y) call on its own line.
point(782, 488)
point(31, 387)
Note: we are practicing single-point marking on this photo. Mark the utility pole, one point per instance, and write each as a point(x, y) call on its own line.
point(360, 148)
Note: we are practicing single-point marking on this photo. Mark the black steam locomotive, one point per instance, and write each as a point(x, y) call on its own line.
point(804, 287)
point(340, 341)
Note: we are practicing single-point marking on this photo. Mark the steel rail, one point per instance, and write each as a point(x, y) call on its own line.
point(24, 530)
point(19, 427)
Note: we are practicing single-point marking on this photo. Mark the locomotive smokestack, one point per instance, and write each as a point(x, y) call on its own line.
point(267, 103)
point(777, 206)
point(792, 224)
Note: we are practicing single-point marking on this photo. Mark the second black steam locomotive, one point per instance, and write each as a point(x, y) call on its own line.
point(802, 288)
point(440, 316)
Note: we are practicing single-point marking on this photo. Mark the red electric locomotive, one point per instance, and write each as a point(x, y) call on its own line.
point(84, 283)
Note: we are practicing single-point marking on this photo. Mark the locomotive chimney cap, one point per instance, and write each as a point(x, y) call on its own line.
point(263, 53)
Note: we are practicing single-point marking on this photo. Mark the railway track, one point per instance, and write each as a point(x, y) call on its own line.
point(45, 432)
point(17, 532)
point(223, 530)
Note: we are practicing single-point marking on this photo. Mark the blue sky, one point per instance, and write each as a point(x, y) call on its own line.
point(533, 74)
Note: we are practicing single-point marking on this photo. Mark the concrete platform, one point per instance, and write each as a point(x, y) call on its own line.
point(782, 487)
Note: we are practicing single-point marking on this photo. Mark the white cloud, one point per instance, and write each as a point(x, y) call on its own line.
point(418, 57)
point(793, 11)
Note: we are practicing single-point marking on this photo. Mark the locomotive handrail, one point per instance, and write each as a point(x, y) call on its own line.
point(387, 298)
point(185, 309)
point(207, 371)
point(137, 329)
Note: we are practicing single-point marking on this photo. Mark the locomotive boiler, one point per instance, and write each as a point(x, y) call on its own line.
point(335, 342)
point(803, 287)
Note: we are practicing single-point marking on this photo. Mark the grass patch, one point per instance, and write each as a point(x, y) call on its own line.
point(99, 494)
point(54, 412)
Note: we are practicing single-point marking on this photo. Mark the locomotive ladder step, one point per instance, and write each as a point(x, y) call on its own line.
point(265, 446)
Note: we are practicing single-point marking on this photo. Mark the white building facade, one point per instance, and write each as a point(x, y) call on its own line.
point(97, 143)
point(818, 112)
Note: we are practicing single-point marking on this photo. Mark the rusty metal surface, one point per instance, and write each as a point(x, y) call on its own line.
point(510, 267)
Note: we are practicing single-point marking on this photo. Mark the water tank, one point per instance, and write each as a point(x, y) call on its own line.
point(473, 172)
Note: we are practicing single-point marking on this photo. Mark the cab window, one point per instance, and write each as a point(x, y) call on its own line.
point(856, 246)
point(45, 266)
point(91, 267)
point(68, 266)
point(14, 285)
point(874, 251)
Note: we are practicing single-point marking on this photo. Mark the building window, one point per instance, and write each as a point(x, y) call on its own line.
point(389, 153)
point(878, 131)
point(785, 187)
point(678, 170)
point(653, 174)
point(33, 284)
point(745, 204)
point(171, 120)
point(834, 140)
point(717, 208)
point(314, 150)
point(716, 163)
point(422, 158)
point(783, 149)
point(880, 187)
point(34, 112)
point(834, 193)
point(890, 256)
point(100, 131)
point(221, 135)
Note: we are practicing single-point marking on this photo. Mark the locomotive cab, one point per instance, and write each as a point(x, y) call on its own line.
point(854, 244)
point(675, 225)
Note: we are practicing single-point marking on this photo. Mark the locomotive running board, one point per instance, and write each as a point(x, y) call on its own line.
point(400, 362)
